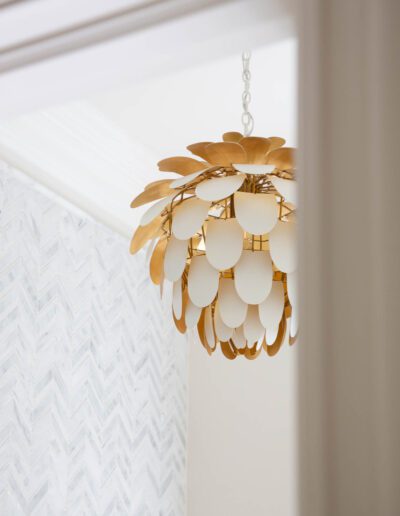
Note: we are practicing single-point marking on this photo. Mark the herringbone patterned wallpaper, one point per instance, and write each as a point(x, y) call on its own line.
point(92, 376)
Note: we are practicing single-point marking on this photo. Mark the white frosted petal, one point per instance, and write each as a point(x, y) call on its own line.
point(219, 187)
point(177, 298)
point(255, 169)
point(150, 248)
point(175, 258)
point(232, 309)
point(155, 210)
point(223, 332)
point(238, 338)
point(224, 243)
point(257, 213)
point(271, 309)
point(188, 217)
point(192, 315)
point(202, 281)
point(292, 289)
point(253, 276)
point(294, 323)
point(252, 327)
point(182, 181)
point(286, 187)
point(271, 334)
point(260, 341)
point(283, 246)
point(208, 327)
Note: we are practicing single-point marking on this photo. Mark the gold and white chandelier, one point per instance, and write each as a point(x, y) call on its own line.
point(225, 233)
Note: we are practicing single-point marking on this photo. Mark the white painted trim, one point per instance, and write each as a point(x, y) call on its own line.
point(100, 27)
point(161, 49)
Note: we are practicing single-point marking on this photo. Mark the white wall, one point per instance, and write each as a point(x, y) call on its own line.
point(242, 431)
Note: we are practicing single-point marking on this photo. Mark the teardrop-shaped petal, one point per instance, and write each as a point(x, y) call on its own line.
point(238, 338)
point(257, 213)
point(192, 315)
point(225, 153)
point(282, 245)
point(292, 289)
point(253, 351)
point(201, 331)
point(181, 165)
point(228, 350)
point(256, 148)
point(175, 258)
point(152, 193)
point(253, 169)
point(219, 187)
point(271, 309)
point(150, 248)
point(155, 210)
point(260, 342)
point(294, 323)
point(157, 262)
point(182, 181)
point(145, 233)
point(252, 327)
point(199, 149)
point(158, 183)
point(202, 281)
point(232, 309)
point(209, 327)
point(287, 188)
point(224, 243)
point(271, 335)
point(188, 217)
point(253, 276)
point(232, 136)
point(177, 298)
point(222, 331)
point(276, 142)
point(272, 348)
point(283, 158)
point(180, 305)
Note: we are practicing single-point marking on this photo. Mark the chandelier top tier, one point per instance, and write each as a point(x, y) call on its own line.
point(224, 232)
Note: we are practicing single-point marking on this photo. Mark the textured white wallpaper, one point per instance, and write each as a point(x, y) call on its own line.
point(92, 375)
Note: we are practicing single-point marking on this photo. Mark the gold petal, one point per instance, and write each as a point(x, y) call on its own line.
point(225, 153)
point(153, 193)
point(202, 333)
point(180, 323)
point(199, 149)
point(157, 262)
point(276, 346)
point(276, 142)
point(232, 136)
point(145, 233)
point(283, 158)
point(256, 148)
point(181, 165)
point(159, 182)
point(228, 350)
point(252, 353)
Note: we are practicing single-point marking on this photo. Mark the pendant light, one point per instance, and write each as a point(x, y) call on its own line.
point(225, 235)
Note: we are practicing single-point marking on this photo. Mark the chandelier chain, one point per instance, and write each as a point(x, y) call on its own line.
point(247, 119)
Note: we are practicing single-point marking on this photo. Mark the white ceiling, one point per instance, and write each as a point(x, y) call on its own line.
point(98, 152)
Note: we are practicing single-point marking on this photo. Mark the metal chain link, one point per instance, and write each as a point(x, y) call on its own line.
point(247, 119)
